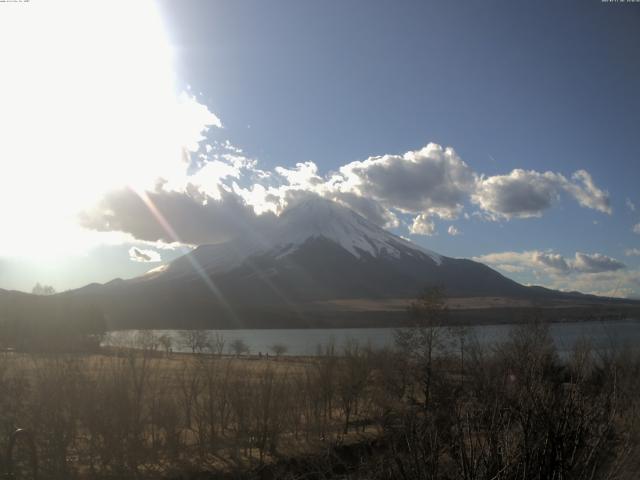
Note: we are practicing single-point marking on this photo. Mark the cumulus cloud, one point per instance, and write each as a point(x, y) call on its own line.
point(368, 208)
point(636, 228)
point(303, 175)
point(188, 217)
point(632, 252)
point(593, 273)
point(520, 194)
point(519, 259)
point(595, 263)
point(620, 283)
point(432, 180)
point(226, 194)
point(453, 231)
point(208, 180)
point(143, 256)
point(552, 262)
point(423, 225)
point(527, 193)
point(303, 180)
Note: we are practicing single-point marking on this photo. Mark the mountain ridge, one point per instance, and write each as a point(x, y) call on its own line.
point(317, 252)
point(316, 258)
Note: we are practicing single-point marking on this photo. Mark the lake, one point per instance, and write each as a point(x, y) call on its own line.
point(601, 334)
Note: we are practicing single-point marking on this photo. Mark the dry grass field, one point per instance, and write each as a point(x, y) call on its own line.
point(358, 413)
point(143, 413)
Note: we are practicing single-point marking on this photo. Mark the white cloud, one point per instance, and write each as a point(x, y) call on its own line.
point(630, 205)
point(595, 263)
point(210, 177)
point(551, 262)
point(144, 256)
point(453, 231)
point(368, 208)
point(303, 175)
point(229, 194)
point(587, 194)
point(527, 193)
point(619, 283)
point(187, 217)
point(423, 225)
point(593, 273)
point(632, 252)
point(636, 228)
point(432, 180)
point(519, 194)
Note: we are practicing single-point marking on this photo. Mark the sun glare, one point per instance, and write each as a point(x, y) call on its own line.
point(89, 103)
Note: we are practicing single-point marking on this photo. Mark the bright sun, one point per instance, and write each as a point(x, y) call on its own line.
point(87, 103)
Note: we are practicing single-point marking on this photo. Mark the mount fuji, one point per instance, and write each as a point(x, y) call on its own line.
point(320, 264)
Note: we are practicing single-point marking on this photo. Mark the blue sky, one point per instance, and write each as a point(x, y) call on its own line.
point(537, 86)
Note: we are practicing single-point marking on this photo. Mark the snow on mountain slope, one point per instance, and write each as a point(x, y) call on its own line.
point(220, 257)
point(311, 219)
point(317, 217)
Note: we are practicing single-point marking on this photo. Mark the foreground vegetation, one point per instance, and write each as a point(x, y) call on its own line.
point(437, 406)
point(515, 411)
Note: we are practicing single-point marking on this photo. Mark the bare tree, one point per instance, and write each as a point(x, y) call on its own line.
point(195, 340)
point(239, 347)
point(460, 335)
point(166, 341)
point(268, 409)
point(147, 341)
point(352, 380)
point(189, 388)
point(279, 349)
point(421, 341)
point(217, 343)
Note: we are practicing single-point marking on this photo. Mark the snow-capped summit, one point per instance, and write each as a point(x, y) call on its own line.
point(311, 219)
point(317, 217)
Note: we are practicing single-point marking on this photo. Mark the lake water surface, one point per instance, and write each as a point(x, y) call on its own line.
point(600, 334)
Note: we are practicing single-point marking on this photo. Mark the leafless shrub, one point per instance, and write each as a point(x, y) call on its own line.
point(58, 392)
point(196, 341)
point(279, 349)
point(166, 342)
point(239, 347)
point(217, 343)
point(352, 380)
point(424, 339)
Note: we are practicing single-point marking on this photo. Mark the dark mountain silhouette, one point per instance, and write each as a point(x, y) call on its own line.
point(315, 267)
point(320, 265)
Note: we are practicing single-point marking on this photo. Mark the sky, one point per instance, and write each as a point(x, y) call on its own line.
point(506, 132)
